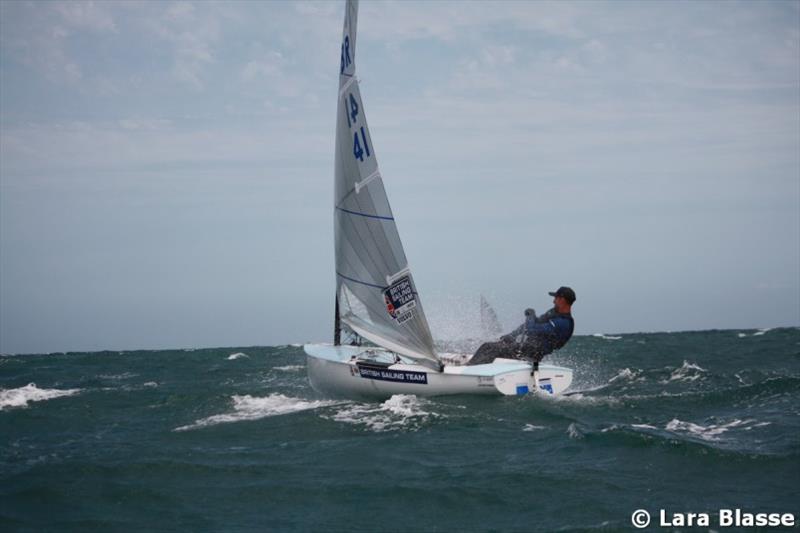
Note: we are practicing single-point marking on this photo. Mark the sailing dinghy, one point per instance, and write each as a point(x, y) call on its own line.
point(376, 297)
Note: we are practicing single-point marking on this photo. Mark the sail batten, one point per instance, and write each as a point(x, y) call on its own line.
point(375, 289)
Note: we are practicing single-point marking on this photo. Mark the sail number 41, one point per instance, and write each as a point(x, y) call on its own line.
point(360, 147)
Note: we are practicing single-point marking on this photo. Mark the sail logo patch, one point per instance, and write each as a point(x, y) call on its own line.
point(385, 374)
point(400, 300)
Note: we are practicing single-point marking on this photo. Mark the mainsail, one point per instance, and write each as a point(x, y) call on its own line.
point(376, 295)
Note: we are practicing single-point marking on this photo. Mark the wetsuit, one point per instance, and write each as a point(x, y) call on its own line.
point(531, 341)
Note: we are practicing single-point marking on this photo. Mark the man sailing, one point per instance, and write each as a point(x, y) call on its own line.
point(537, 336)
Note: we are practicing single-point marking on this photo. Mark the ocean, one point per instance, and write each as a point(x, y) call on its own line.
point(235, 439)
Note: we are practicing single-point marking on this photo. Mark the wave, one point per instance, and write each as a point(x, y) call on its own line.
point(757, 333)
point(686, 372)
point(250, 408)
point(715, 436)
point(401, 411)
point(532, 427)
point(289, 368)
point(626, 374)
point(20, 397)
point(237, 355)
point(607, 337)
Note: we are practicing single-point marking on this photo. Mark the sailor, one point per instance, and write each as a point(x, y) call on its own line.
point(537, 336)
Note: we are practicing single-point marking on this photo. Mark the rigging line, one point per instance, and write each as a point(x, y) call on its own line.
point(364, 214)
point(361, 282)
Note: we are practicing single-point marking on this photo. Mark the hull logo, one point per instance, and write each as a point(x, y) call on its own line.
point(383, 373)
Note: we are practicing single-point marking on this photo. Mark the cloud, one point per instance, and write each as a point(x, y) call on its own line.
point(193, 35)
point(38, 35)
point(86, 15)
point(266, 67)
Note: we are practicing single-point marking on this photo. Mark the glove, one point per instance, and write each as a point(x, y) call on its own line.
point(507, 339)
point(530, 312)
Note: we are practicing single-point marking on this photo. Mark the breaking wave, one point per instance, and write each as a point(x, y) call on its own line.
point(250, 408)
point(10, 398)
point(401, 411)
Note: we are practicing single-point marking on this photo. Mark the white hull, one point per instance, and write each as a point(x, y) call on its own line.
point(360, 371)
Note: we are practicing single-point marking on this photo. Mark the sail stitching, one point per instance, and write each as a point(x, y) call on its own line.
point(364, 214)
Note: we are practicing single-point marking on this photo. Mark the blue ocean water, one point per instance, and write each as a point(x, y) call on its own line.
point(234, 439)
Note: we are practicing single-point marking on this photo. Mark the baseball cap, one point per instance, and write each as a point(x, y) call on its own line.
point(566, 293)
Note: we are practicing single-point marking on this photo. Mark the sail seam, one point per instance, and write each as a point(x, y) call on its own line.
point(364, 214)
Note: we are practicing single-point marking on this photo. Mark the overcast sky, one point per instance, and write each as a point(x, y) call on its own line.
point(166, 169)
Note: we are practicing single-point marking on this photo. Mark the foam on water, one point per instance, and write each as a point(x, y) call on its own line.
point(626, 374)
point(574, 432)
point(687, 372)
point(710, 432)
point(117, 377)
point(290, 368)
point(532, 427)
point(401, 411)
point(30, 393)
point(237, 355)
point(607, 337)
point(758, 333)
point(252, 408)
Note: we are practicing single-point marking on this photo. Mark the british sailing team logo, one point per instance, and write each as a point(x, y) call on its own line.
point(400, 300)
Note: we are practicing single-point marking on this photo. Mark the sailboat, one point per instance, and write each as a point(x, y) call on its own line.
point(376, 298)
point(490, 325)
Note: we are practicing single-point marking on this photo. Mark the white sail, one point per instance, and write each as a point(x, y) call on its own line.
point(490, 325)
point(375, 290)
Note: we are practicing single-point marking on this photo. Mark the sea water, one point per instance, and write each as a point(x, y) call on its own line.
point(234, 439)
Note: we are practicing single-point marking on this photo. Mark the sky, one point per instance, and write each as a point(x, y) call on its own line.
point(166, 168)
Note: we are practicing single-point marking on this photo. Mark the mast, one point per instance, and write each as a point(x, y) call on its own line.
point(337, 329)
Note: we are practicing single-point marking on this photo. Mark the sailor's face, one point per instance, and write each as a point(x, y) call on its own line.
point(559, 303)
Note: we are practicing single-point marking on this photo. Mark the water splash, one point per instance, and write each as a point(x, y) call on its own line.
point(401, 411)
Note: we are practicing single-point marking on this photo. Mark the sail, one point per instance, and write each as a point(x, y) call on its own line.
point(490, 326)
point(376, 294)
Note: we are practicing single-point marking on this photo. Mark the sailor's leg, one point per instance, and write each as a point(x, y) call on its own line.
point(488, 351)
point(531, 352)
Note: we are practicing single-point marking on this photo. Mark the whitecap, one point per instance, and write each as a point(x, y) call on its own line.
point(687, 372)
point(532, 427)
point(626, 374)
point(252, 408)
point(117, 377)
point(606, 337)
point(237, 355)
point(574, 433)
point(290, 368)
point(30, 393)
point(711, 432)
point(401, 411)
point(150, 384)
